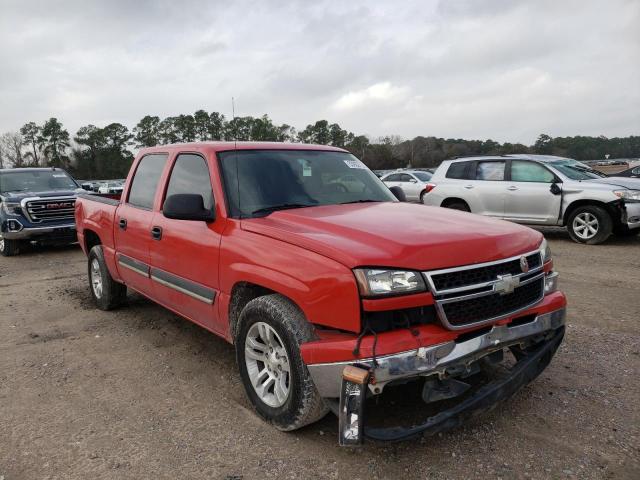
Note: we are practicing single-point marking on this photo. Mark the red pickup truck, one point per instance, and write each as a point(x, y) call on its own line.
point(332, 290)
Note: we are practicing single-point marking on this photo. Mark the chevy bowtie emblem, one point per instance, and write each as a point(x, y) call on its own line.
point(506, 284)
point(524, 264)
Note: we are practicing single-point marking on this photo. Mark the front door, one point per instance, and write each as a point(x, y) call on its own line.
point(530, 196)
point(133, 223)
point(185, 253)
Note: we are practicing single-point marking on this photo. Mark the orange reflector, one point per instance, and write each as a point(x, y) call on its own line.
point(355, 374)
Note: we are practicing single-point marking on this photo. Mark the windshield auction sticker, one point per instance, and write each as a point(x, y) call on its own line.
point(355, 164)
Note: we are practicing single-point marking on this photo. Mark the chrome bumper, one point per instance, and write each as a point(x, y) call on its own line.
point(29, 232)
point(432, 360)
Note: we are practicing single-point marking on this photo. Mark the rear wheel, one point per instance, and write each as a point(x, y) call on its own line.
point(106, 292)
point(9, 248)
point(589, 224)
point(276, 380)
point(458, 205)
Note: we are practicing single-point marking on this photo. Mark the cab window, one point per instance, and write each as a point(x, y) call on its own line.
point(530, 172)
point(145, 180)
point(492, 171)
point(190, 174)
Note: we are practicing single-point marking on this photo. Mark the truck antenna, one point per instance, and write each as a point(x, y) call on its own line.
point(233, 117)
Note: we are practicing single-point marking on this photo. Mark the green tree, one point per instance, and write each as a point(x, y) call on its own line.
point(54, 142)
point(185, 128)
point(30, 133)
point(147, 131)
point(318, 133)
point(543, 145)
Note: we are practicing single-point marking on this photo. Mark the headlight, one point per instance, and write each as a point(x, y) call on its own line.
point(11, 208)
point(545, 251)
point(373, 282)
point(628, 195)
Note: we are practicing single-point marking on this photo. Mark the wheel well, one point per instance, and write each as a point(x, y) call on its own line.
point(241, 294)
point(91, 239)
point(448, 201)
point(581, 203)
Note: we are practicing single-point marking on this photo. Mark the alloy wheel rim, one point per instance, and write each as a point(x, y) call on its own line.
point(267, 364)
point(586, 225)
point(96, 278)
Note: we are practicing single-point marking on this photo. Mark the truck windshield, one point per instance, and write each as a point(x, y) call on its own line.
point(258, 182)
point(35, 181)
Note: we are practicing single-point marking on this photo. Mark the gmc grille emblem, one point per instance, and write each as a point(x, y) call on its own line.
point(52, 206)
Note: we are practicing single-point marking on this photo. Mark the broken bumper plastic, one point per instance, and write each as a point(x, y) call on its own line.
point(434, 359)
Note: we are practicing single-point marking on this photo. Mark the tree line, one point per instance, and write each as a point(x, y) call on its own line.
point(105, 152)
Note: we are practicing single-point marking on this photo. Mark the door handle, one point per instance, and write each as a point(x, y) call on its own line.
point(156, 233)
point(122, 224)
point(512, 188)
point(468, 187)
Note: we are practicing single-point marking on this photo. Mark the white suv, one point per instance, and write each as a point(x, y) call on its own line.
point(540, 190)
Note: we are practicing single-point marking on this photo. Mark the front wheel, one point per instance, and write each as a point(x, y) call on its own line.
point(9, 248)
point(589, 224)
point(276, 380)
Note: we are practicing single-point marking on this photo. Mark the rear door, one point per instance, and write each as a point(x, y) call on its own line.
point(529, 196)
point(185, 253)
point(133, 223)
point(410, 186)
point(487, 188)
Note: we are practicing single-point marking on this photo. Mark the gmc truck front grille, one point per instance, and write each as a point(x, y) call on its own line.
point(478, 294)
point(50, 209)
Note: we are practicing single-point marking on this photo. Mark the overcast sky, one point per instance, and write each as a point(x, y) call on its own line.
point(501, 69)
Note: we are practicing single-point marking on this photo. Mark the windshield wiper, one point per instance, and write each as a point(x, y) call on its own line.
point(283, 206)
point(368, 200)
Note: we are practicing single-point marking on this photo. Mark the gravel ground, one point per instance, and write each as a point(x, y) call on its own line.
point(140, 393)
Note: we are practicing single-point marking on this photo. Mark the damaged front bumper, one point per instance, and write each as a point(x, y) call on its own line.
point(533, 344)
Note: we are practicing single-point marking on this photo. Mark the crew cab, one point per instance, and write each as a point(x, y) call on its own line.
point(36, 204)
point(540, 190)
point(331, 296)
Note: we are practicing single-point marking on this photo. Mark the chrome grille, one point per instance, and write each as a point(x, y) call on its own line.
point(476, 294)
point(50, 209)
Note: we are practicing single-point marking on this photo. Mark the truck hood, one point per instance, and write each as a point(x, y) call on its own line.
point(631, 183)
point(394, 234)
point(18, 196)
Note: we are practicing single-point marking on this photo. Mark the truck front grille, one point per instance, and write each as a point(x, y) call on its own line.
point(469, 311)
point(51, 209)
point(477, 294)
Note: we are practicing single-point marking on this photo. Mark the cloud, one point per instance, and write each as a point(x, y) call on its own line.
point(500, 69)
point(383, 92)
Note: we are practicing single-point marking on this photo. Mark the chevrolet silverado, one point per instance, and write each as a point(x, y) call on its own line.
point(331, 294)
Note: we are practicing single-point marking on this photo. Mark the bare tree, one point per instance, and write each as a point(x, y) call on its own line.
point(11, 146)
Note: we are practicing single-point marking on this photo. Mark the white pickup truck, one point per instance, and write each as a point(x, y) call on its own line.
point(540, 190)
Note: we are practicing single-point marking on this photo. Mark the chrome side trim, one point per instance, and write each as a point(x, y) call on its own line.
point(433, 360)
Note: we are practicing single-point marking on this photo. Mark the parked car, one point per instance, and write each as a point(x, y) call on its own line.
point(328, 296)
point(36, 204)
point(633, 172)
point(540, 190)
point(110, 187)
point(414, 183)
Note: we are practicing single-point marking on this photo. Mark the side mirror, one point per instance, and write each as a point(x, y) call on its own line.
point(398, 193)
point(413, 180)
point(555, 189)
point(187, 206)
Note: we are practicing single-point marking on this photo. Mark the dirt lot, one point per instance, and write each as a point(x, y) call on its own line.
point(140, 393)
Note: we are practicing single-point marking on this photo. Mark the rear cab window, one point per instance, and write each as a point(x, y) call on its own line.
point(145, 180)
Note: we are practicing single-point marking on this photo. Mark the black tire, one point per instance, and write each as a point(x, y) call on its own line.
point(303, 405)
point(456, 205)
point(9, 248)
point(604, 225)
point(422, 197)
point(112, 294)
